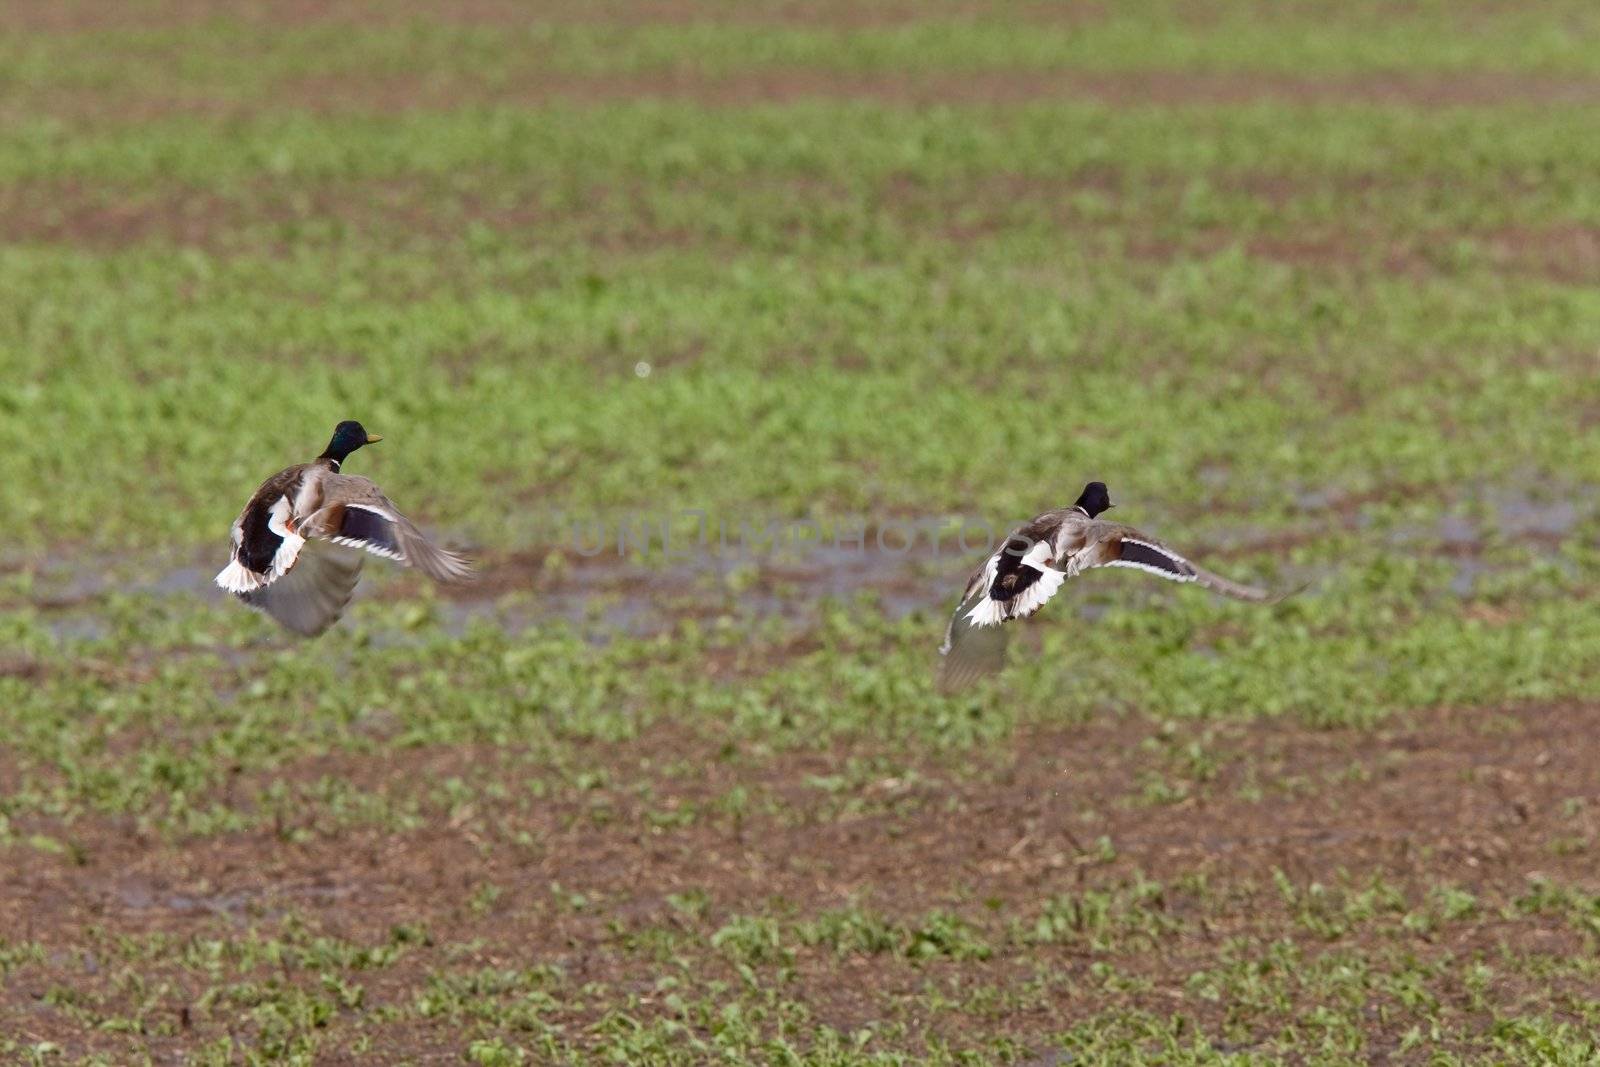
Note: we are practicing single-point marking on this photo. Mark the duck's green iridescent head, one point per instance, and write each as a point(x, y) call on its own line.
point(1095, 499)
point(347, 437)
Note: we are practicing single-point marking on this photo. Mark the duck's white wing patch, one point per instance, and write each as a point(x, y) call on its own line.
point(237, 578)
point(975, 641)
point(313, 594)
point(289, 551)
point(1033, 598)
point(991, 612)
point(982, 582)
point(1038, 555)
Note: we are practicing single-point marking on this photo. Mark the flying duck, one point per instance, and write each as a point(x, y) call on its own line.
point(1034, 560)
point(297, 544)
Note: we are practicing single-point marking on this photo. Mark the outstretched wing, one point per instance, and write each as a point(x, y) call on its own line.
point(311, 595)
point(1109, 544)
point(355, 513)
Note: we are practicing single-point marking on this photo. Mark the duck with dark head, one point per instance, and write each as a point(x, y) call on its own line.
point(1037, 558)
point(348, 436)
point(297, 546)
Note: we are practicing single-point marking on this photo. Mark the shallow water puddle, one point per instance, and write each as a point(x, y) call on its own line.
point(608, 593)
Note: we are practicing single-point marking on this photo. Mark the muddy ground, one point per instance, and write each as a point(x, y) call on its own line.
point(1479, 801)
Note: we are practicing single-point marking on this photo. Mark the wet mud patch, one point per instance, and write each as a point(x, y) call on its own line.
point(603, 591)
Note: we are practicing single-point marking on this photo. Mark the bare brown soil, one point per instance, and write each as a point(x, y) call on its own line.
point(393, 94)
point(921, 88)
point(277, 215)
point(67, 16)
point(1477, 799)
point(82, 15)
point(1568, 254)
point(110, 218)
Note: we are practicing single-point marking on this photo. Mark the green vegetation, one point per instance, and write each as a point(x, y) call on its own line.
point(1311, 286)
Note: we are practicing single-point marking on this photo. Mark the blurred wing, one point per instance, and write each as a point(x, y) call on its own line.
point(313, 593)
point(970, 652)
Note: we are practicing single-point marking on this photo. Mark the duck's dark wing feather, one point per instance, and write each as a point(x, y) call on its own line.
point(1110, 544)
point(362, 527)
point(355, 513)
point(258, 541)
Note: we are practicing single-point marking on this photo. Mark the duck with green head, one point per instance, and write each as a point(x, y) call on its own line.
point(1033, 563)
point(297, 545)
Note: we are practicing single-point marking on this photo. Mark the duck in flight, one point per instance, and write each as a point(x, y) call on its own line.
point(298, 544)
point(1033, 562)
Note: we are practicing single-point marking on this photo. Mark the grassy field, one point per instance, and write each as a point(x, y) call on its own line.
point(1315, 287)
